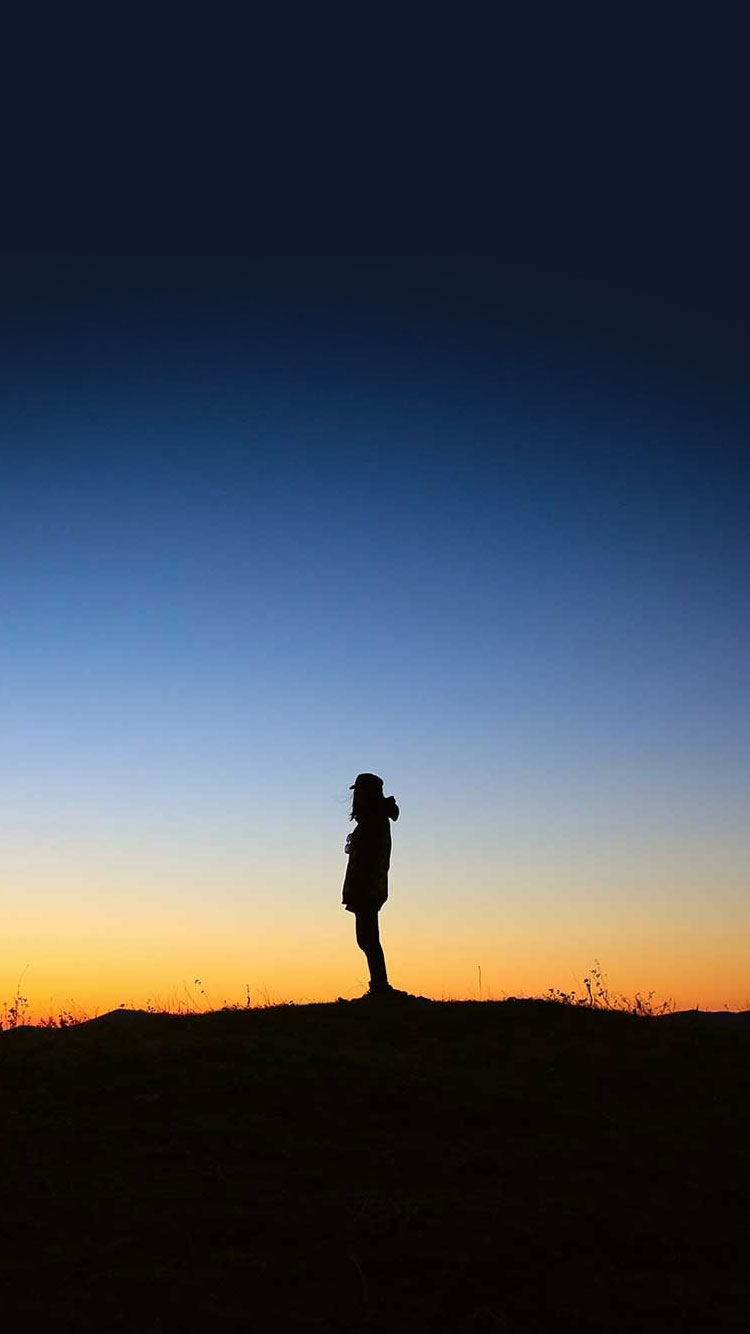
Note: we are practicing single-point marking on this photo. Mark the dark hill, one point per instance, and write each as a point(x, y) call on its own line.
point(516, 1166)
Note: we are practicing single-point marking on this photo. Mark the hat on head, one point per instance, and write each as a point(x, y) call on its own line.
point(366, 780)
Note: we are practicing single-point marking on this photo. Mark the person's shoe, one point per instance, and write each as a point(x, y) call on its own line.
point(383, 994)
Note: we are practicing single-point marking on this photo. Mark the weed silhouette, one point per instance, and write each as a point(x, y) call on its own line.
point(597, 996)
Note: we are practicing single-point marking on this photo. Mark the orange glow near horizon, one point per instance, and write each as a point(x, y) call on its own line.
point(85, 940)
point(91, 976)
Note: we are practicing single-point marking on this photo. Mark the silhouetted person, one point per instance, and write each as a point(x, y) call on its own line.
point(366, 882)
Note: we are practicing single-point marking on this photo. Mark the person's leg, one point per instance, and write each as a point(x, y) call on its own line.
point(368, 939)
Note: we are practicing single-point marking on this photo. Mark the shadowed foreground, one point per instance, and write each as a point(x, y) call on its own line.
point(513, 1166)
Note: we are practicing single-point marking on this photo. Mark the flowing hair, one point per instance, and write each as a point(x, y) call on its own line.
point(368, 800)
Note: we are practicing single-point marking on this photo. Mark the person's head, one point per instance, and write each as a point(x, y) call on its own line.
point(368, 799)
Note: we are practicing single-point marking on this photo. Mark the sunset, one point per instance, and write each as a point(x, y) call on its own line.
point(265, 526)
point(375, 670)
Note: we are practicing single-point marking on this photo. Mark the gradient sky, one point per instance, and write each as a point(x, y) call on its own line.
point(266, 524)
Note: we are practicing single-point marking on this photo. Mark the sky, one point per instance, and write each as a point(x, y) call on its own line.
point(374, 401)
point(266, 525)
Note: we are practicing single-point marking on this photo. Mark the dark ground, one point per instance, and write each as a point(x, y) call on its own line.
point(513, 1166)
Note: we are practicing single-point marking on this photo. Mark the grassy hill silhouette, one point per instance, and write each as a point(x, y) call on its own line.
point(496, 1166)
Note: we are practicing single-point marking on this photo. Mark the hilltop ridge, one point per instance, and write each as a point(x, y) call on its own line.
point(514, 1165)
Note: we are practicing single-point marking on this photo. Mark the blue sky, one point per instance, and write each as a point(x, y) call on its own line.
point(265, 527)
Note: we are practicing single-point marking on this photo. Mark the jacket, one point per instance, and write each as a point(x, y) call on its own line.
point(369, 850)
